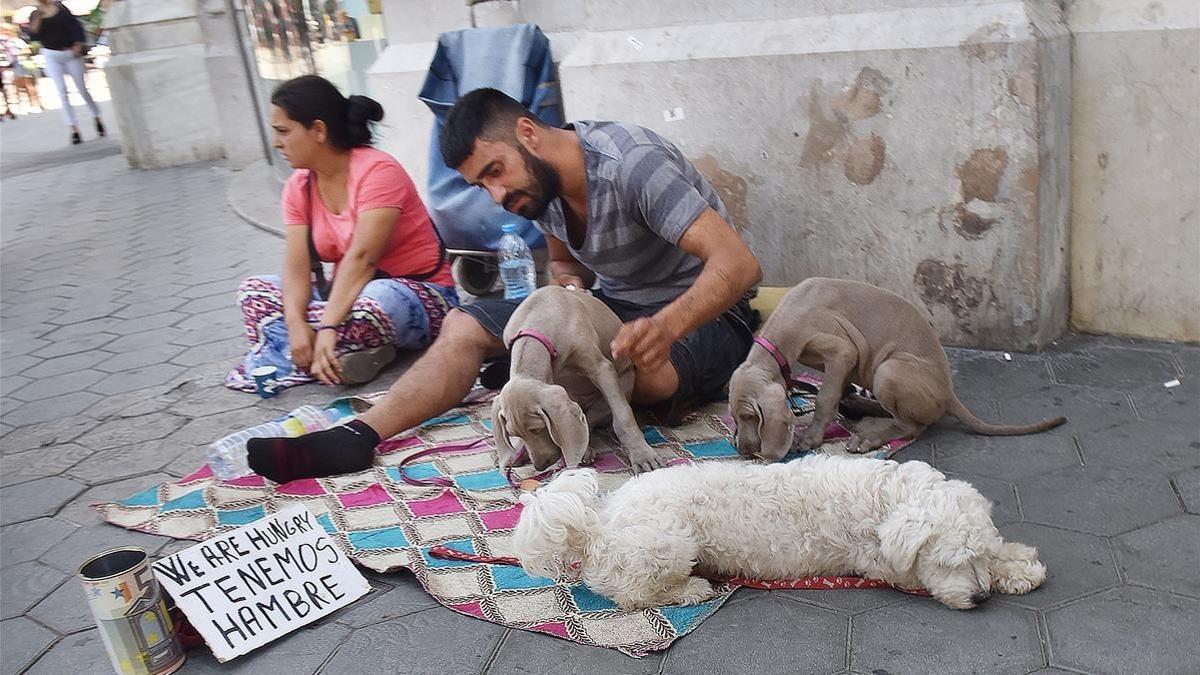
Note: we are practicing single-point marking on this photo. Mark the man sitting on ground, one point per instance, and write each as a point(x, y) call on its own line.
point(617, 203)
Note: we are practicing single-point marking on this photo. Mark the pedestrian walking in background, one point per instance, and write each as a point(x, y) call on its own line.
point(15, 55)
point(63, 43)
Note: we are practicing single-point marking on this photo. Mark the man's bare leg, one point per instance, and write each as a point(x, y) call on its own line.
point(655, 385)
point(435, 383)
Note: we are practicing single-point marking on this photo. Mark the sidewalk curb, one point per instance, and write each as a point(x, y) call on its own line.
point(254, 192)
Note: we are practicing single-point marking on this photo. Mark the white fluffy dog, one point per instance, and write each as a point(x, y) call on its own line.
point(642, 544)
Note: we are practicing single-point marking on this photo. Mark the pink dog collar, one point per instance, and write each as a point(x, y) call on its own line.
point(529, 333)
point(784, 368)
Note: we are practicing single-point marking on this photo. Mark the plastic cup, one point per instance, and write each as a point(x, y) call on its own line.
point(264, 380)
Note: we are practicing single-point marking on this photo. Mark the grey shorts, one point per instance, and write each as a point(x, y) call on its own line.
point(704, 359)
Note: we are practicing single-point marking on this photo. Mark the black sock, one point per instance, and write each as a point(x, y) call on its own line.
point(342, 449)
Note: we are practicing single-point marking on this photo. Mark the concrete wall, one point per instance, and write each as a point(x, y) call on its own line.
point(1135, 259)
point(179, 86)
point(921, 145)
point(917, 149)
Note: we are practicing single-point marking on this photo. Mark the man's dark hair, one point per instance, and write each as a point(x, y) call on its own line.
point(489, 114)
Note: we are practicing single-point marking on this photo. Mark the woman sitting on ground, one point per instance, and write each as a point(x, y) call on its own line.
point(359, 209)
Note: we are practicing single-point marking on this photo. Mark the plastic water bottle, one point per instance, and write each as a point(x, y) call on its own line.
point(516, 264)
point(228, 459)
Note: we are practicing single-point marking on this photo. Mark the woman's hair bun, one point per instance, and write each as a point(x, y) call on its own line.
point(363, 109)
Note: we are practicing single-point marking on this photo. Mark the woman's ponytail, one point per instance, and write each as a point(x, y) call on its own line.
point(361, 112)
point(308, 98)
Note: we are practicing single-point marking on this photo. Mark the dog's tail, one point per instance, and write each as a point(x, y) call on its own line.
point(557, 522)
point(959, 410)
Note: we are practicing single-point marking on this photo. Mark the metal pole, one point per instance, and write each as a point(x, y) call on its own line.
point(237, 14)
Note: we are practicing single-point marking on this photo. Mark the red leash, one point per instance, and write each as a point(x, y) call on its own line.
point(806, 583)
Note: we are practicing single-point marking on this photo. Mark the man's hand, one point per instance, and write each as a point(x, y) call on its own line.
point(325, 365)
point(575, 280)
point(646, 341)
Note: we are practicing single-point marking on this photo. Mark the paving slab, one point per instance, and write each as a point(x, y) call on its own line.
point(56, 385)
point(300, 652)
point(1008, 458)
point(24, 640)
point(1114, 368)
point(1099, 500)
point(126, 461)
point(89, 540)
point(30, 465)
point(79, 653)
point(1126, 630)
point(1170, 404)
point(1077, 564)
point(25, 585)
point(1164, 556)
point(395, 595)
point(920, 635)
point(83, 343)
point(79, 510)
point(127, 362)
point(66, 609)
point(1187, 485)
point(132, 430)
point(1145, 446)
point(27, 540)
point(527, 653)
point(433, 641)
point(48, 409)
point(775, 635)
point(37, 498)
point(139, 377)
point(63, 364)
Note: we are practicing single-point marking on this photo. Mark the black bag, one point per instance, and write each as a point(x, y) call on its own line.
point(323, 285)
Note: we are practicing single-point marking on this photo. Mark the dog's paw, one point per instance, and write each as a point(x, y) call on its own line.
point(811, 438)
point(694, 592)
point(860, 443)
point(646, 459)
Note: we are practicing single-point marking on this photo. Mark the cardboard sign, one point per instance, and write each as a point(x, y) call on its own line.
point(261, 581)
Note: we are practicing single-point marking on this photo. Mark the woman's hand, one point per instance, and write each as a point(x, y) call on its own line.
point(301, 340)
point(325, 364)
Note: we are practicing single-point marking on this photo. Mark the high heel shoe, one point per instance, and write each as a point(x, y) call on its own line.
point(99, 127)
point(76, 139)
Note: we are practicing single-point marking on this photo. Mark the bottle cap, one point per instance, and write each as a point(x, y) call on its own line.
point(509, 227)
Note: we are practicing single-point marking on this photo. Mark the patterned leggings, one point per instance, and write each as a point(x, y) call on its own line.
point(407, 314)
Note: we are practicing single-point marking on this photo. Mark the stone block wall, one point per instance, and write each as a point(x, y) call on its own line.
point(179, 85)
point(923, 146)
point(1135, 168)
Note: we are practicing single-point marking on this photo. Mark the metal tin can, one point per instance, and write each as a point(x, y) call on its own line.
point(130, 612)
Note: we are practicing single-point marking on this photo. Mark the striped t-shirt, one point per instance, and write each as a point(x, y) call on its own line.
point(642, 196)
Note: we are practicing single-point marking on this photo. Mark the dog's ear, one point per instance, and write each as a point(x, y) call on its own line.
point(565, 422)
point(902, 536)
point(776, 424)
point(506, 453)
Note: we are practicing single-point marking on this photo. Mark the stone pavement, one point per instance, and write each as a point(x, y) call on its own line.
point(118, 320)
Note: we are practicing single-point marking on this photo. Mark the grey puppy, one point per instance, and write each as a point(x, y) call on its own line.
point(564, 382)
point(856, 333)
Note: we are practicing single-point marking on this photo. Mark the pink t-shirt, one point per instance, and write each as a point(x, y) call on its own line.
point(376, 180)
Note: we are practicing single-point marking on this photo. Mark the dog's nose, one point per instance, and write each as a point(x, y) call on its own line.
point(981, 597)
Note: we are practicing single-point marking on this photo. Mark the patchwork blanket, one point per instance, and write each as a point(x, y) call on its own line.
point(384, 523)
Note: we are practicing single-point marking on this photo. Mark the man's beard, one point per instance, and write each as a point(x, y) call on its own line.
point(544, 187)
